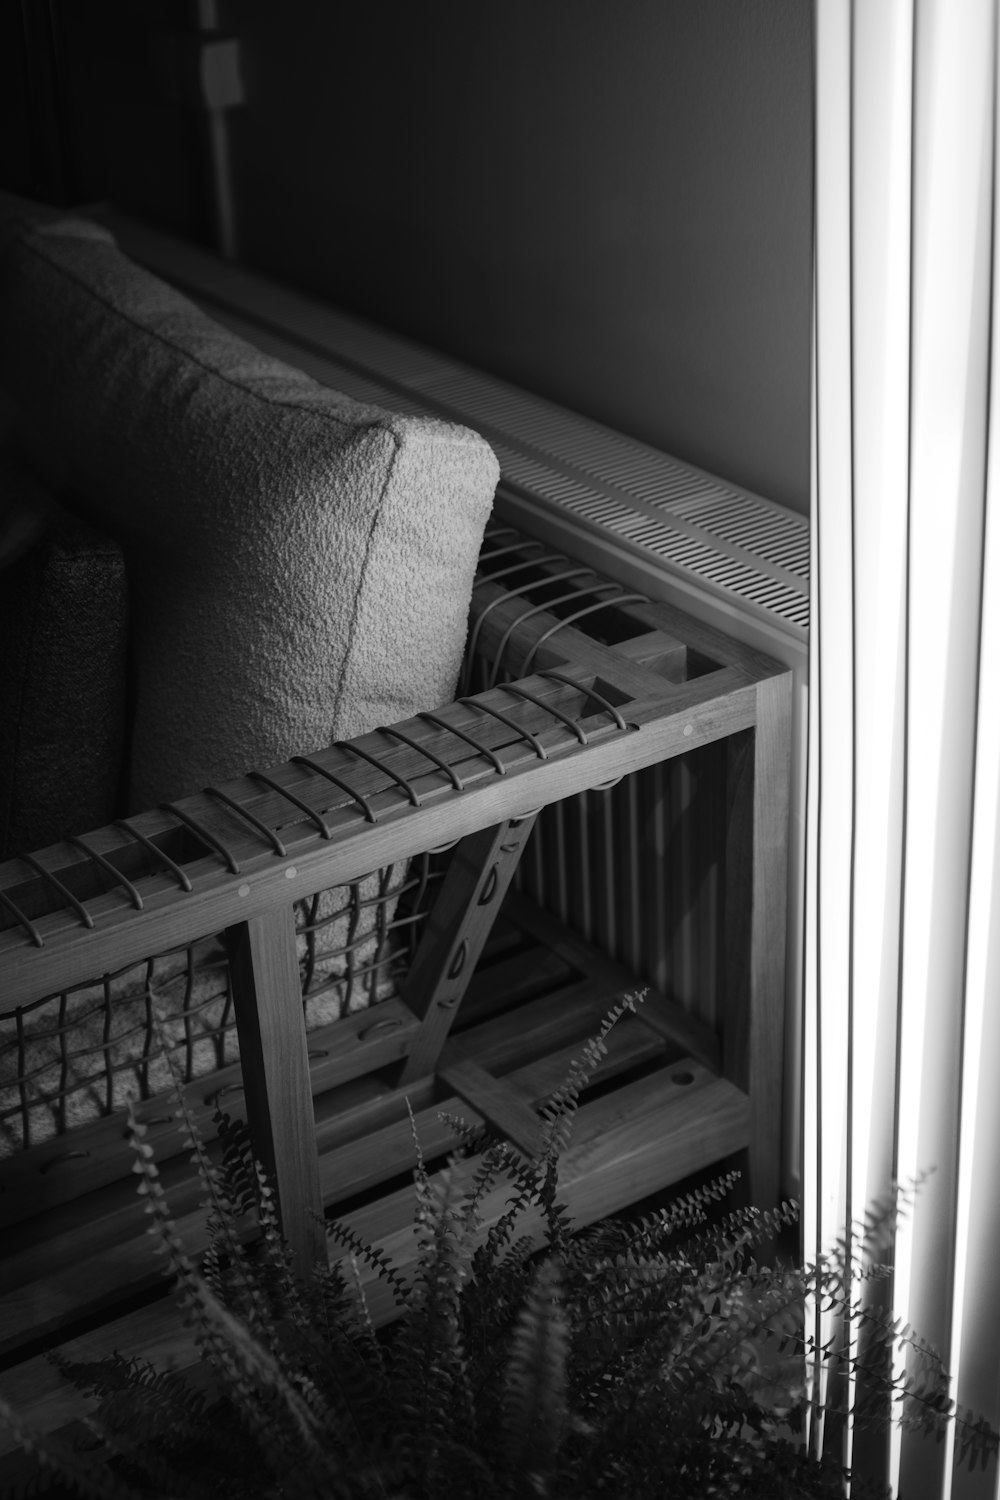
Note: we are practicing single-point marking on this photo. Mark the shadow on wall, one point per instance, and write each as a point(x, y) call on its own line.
point(609, 205)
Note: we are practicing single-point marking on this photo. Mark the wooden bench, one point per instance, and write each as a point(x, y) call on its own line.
point(572, 684)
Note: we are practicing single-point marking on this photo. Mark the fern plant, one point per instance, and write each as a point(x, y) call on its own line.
point(633, 1359)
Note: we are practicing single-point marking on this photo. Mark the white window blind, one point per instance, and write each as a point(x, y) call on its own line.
point(902, 1030)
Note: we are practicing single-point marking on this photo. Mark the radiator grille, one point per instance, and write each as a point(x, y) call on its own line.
point(735, 544)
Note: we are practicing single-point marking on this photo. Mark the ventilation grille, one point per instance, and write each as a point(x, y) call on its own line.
point(749, 551)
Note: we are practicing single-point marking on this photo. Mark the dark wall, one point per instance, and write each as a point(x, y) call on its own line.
point(609, 203)
point(84, 117)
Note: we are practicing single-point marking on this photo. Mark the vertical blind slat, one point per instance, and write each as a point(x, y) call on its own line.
point(902, 1024)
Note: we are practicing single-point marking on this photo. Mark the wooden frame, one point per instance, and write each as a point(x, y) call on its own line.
point(588, 686)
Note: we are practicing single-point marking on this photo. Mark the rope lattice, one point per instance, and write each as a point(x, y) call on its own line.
point(85, 1052)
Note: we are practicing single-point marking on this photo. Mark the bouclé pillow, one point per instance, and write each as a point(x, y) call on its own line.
point(300, 565)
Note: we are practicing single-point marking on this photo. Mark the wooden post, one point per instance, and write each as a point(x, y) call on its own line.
point(756, 906)
point(267, 998)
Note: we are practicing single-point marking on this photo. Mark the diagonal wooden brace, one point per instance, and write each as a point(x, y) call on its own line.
point(467, 905)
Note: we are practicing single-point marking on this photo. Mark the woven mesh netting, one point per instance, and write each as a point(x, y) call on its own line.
point(85, 1052)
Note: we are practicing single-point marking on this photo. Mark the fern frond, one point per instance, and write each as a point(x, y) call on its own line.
point(219, 1203)
point(238, 1173)
point(630, 1359)
point(370, 1255)
point(559, 1109)
point(281, 1417)
point(649, 1233)
point(535, 1407)
point(89, 1479)
point(528, 1179)
point(431, 1367)
point(473, 1138)
point(279, 1413)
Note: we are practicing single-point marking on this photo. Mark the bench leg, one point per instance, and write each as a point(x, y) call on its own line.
point(267, 999)
point(756, 910)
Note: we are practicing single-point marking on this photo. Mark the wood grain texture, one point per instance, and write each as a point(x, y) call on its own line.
point(625, 1145)
point(267, 998)
point(756, 920)
point(459, 923)
point(48, 1401)
point(679, 685)
point(696, 713)
point(82, 1269)
point(501, 1104)
point(97, 1154)
point(47, 1178)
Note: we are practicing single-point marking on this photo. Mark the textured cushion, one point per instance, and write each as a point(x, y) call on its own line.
point(62, 676)
point(300, 565)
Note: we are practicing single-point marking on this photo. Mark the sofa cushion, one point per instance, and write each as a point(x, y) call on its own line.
point(63, 607)
point(300, 565)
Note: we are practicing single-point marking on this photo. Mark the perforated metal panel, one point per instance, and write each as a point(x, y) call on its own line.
point(730, 542)
point(716, 537)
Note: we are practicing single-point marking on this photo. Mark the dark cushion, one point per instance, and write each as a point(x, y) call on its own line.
point(63, 623)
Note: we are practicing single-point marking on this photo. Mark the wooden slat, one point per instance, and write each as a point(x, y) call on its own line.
point(84, 1267)
point(382, 1152)
point(93, 1285)
point(70, 1166)
point(377, 785)
point(509, 981)
point(173, 918)
point(267, 999)
point(591, 659)
point(49, 1402)
point(251, 852)
point(564, 1017)
point(661, 653)
point(626, 1144)
point(90, 1234)
point(66, 1168)
point(71, 864)
point(499, 1101)
point(661, 1014)
point(675, 1024)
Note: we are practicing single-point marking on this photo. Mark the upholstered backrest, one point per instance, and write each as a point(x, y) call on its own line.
point(299, 565)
